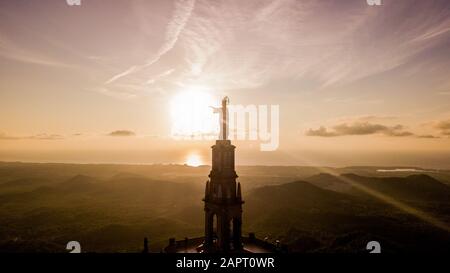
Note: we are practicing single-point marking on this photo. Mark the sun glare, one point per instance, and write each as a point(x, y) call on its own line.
point(194, 160)
point(192, 115)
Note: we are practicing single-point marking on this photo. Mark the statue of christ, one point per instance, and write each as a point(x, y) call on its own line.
point(223, 118)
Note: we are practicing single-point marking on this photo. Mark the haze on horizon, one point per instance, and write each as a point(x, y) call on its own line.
point(356, 84)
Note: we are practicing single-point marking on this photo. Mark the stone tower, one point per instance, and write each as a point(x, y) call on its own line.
point(223, 199)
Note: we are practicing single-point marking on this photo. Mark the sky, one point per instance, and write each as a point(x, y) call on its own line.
point(355, 84)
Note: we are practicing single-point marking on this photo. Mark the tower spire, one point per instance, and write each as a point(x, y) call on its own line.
point(225, 101)
point(224, 206)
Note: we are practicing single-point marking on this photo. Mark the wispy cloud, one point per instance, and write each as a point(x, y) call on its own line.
point(122, 74)
point(14, 51)
point(225, 45)
point(181, 15)
point(119, 91)
point(234, 44)
point(329, 43)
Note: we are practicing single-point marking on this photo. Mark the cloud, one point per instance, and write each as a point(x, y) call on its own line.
point(35, 137)
point(233, 44)
point(122, 133)
point(117, 133)
point(322, 132)
point(8, 137)
point(17, 52)
point(119, 91)
point(427, 136)
point(364, 128)
point(359, 128)
point(46, 137)
point(328, 43)
point(122, 74)
point(370, 118)
point(181, 15)
point(160, 76)
point(396, 131)
point(443, 126)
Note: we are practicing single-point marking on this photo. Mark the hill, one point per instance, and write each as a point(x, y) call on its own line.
point(111, 208)
point(311, 219)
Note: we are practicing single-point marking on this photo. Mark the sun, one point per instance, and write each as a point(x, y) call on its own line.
point(192, 116)
point(194, 160)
